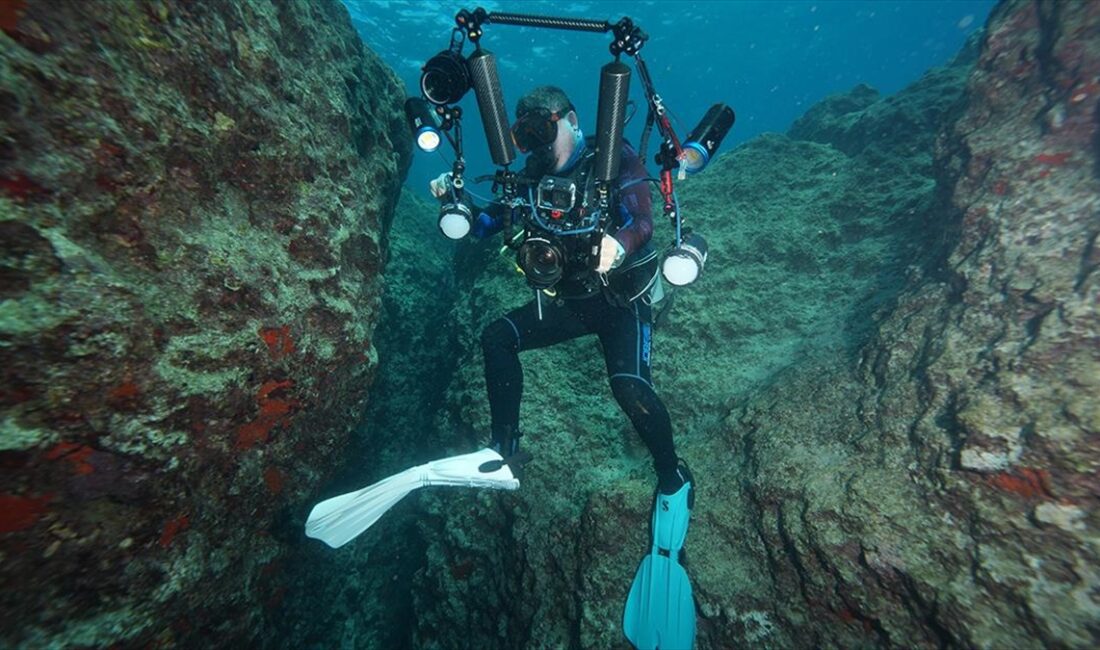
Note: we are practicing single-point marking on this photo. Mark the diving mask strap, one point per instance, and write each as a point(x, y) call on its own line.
point(579, 149)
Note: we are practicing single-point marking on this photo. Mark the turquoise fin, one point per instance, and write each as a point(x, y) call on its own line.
point(660, 611)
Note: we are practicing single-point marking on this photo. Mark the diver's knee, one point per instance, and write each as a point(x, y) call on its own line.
point(630, 390)
point(500, 335)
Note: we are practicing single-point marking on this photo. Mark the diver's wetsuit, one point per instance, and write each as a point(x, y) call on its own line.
point(580, 308)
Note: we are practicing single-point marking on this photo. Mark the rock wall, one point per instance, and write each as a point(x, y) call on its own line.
point(359, 596)
point(938, 490)
point(194, 198)
point(885, 385)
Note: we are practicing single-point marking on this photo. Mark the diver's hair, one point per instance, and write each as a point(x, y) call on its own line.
point(550, 97)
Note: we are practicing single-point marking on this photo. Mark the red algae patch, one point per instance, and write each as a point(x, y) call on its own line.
point(278, 340)
point(1027, 483)
point(172, 528)
point(272, 412)
point(19, 512)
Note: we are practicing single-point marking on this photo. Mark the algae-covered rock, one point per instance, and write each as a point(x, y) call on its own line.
point(938, 490)
point(193, 205)
point(364, 587)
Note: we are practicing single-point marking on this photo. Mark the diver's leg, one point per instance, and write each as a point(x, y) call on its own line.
point(626, 336)
point(502, 341)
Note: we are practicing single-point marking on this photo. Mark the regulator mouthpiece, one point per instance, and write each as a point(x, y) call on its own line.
point(423, 123)
point(444, 79)
point(704, 140)
point(455, 219)
point(684, 263)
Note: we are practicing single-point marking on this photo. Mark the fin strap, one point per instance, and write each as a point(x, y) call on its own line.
point(515, 462)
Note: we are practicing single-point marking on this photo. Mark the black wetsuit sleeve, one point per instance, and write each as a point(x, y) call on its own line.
point(636, 202)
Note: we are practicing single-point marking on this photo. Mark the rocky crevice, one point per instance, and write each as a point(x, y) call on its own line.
point(193, 201)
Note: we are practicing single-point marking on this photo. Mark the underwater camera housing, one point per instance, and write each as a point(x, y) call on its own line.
point(559, 232)
point(544, 256)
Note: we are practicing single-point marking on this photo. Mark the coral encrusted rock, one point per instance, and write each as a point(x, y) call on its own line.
point(938, 489)
point(194, 199)
point(364, 588)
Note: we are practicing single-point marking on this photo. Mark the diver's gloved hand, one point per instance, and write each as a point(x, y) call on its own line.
point(611, 254)
point(485, 225)
point(441, 185)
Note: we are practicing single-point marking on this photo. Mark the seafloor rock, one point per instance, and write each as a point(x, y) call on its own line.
point(885, 382)
point(193, 201)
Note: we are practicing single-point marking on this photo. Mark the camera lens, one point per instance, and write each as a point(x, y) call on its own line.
point(545, 258)
point(541, 261)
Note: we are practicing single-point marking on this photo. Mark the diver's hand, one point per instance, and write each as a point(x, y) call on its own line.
point(611, 254)
point(441, 185)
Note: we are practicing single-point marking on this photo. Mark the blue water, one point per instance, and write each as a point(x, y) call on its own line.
point(770, 61)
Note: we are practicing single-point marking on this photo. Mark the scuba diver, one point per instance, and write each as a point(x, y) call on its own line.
point(612, 301)
point(579, 218)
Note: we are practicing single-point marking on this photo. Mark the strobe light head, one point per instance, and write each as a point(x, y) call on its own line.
point(684, 263)
point(445, 78)
point(703, 141)
point(455, 218)
point(423, 123)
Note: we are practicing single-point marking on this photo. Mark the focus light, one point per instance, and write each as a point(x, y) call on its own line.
point(703, 141)
point(424, 124)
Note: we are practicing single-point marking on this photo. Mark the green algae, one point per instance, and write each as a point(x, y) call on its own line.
point(15, 437)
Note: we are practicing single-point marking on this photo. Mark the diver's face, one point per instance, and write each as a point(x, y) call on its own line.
point(565, 142)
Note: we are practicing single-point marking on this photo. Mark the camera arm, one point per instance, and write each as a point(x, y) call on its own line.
point(629, 38)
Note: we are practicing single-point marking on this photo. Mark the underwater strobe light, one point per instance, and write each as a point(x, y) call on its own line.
point(455, 218)
point(423, 123)
point(444, 79)
point(684, 263)
point(704, 139)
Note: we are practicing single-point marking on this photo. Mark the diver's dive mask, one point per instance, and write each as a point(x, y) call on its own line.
point(537, 128)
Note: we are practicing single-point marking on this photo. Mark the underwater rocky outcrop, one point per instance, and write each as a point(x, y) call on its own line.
point(885, 384)
point(939, 489)
point(194, 199)
point(358, 596)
